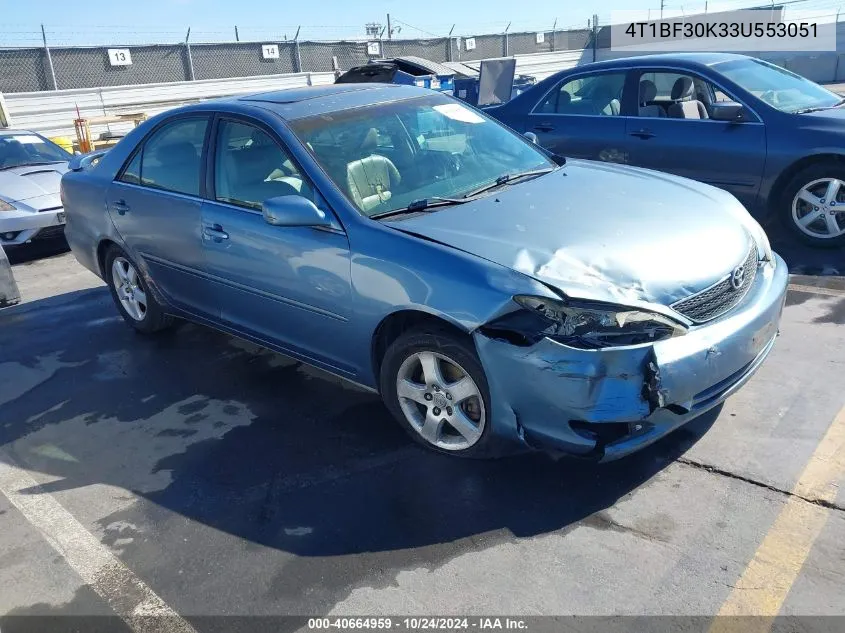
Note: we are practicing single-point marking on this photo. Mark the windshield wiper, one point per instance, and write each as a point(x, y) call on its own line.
point(819, 108)
point(49, 162)
point(421, 205)
point(508, 179)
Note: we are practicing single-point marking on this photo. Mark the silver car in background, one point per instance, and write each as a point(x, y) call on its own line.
point(31, 169)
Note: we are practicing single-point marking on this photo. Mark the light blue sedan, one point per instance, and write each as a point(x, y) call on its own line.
point(496, 296)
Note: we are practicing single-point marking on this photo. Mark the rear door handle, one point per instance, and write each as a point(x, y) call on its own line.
point(643, 134)
point(120, 207)
point(215, 232)
point(544, 127)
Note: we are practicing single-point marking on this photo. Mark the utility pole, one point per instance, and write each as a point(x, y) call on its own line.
point(389, 30)
point(237, 37)
point(190, 58)
point(662, 2)
point(49, 58)
point(297, 53)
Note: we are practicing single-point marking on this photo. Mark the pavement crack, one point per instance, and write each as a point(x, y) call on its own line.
point(726, 473)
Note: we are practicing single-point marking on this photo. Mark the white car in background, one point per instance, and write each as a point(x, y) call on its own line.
point(31, 169)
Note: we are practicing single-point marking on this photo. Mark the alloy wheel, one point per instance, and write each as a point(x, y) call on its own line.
point(127, 285)
point(818, 208)
point(441, 401)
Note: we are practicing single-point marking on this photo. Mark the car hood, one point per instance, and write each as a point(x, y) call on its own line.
point(20, 184)
point(601, 231)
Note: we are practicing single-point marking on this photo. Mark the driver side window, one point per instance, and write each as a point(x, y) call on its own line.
point(250, 167)
point(596, 95)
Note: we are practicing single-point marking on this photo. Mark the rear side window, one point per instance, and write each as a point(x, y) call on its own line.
point(171, 158)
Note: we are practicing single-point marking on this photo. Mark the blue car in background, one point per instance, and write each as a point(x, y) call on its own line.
point(496, 297)
point(773, 139)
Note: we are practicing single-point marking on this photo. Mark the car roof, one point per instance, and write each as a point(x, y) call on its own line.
point(9, 131)
point(683, 59)
point(296, 103)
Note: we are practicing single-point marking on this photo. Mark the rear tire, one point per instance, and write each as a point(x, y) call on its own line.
point(806, 210)
point(444, 402)
point(131, 295)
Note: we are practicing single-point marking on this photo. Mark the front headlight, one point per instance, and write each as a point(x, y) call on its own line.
point(5, 206)
point(593, 325)
point(762, 241)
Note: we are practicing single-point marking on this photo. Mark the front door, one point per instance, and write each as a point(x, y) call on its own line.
point(581, 117)
point(288, 286)
point(156, 207)
point(666, 135)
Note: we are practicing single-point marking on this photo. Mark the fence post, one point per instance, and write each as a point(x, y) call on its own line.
point(49, 60)
point(297, 61)
point(595, 35)
point(190, 59)
point(505, 46)
point(449, 44)
point(554, 33)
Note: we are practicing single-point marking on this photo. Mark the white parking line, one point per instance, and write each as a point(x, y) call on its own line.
point(125, 593)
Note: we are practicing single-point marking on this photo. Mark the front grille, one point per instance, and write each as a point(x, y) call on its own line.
point(57, 230)
point(720, 297)
point(58, 208)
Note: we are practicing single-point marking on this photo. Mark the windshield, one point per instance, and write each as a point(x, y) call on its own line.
point(386, 156)
point(29, 149)
point(777, 87)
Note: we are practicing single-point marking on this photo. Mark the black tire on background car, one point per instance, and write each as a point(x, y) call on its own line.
point(808, 210)
point(134, 301)
point(432, 382)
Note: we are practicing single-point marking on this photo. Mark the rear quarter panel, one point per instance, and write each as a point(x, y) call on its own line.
point(88, 221)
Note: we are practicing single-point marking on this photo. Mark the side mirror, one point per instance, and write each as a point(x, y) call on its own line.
point(293, 211)
point(727, 111)
point(532, 137)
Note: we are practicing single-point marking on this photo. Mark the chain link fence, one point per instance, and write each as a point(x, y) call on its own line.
point(223, 61)
point(24, 70)
point(34, 69)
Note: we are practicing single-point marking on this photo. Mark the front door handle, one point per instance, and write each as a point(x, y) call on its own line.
point(120, 207)
point(643, 133)
point(215, 232)
point(544, 127)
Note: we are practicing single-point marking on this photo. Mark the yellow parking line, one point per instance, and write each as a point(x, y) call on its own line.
point(767, 580)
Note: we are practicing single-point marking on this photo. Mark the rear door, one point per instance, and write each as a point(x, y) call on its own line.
point(581, 116)
point(289, 286)
point(155, 205)
point(726, 154)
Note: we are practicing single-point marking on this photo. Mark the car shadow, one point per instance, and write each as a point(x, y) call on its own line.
point(39, 249)
point(260, 446)
point(801, 258)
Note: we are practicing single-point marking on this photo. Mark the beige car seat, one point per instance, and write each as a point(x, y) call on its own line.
point(372, 179)
point(684, 106)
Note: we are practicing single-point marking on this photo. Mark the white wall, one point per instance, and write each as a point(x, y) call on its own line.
point(52, 112)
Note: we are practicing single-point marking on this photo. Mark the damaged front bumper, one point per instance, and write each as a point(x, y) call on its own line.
point(608, 403)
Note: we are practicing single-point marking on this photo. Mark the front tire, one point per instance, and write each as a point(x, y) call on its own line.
point(433, 384)
point(134, 301)
point(813, 205)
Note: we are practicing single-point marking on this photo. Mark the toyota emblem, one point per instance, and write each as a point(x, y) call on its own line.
point(737, 277)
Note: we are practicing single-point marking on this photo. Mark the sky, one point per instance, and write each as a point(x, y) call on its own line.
point(79, 22)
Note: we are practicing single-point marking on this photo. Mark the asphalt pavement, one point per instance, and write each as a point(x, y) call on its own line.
point(199, 479)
